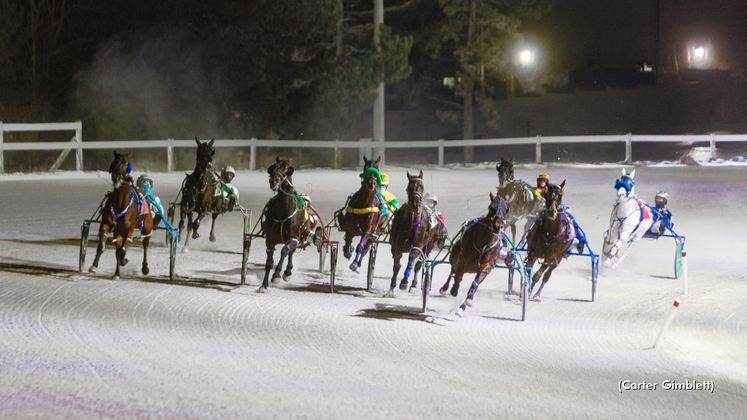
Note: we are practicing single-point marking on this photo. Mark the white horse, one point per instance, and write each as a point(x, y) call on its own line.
point(629, 221)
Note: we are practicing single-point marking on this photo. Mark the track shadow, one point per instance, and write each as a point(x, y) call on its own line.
point(663, 277)
point(57, 241)
point(35, 269)
point(501, 318)
point(222, 286)
point(386, 312)
point(576, 300)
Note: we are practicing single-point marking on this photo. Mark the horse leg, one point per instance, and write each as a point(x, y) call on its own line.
point(397, 265)
point(103, 234)
point(414, 253)
point(289, 267)
point(347, 250)
point(479, 277)
point(268, 267)
point(544, 279)
point(359, 252)
point(445, 287)
point(185, 249)
point(146, 242)
point(212, 228)
point(196, 225)
point(418, 267)
point(536, 277)
point(283, 254)
point(513, 232)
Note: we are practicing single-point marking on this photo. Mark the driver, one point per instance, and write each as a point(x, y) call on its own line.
point(145, 184)
point(229, 191)
point(390, 199)
point(662, 216)
point(542, 180)
point(580, 240)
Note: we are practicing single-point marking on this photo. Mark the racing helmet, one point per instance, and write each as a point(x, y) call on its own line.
point(430, 199)
point(144, 179)
point(661, 199)
point(384, 179)
point(227, 173)
point(543, 176)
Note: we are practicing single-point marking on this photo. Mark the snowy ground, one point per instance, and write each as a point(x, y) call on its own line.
point(75, 345)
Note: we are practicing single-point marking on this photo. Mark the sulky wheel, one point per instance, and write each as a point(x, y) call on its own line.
point(172, 254)
point(245, 259)
point(83, 244)
point(678, 260)
point(427, 277)
point(371, 265)
point(594, 276)
point(332, 268)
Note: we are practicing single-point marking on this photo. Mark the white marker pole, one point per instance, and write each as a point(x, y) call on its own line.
point(684, 272)
point(667, 321)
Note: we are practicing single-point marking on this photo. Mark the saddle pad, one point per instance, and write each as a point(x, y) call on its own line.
point(144, 208)
point(647, 213)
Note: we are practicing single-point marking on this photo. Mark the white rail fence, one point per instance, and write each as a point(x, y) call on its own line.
point(365, 146)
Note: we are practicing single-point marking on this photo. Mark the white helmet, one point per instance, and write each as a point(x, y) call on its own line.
point(228, 170)
point(143, 179)
point(432, 198)
point(661, 198)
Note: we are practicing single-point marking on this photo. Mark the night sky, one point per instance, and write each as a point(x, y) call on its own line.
point(620, 33)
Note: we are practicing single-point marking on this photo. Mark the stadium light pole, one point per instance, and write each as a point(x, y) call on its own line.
point(379, 110)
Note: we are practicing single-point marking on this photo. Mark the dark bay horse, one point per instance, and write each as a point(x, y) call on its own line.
point(199, 194)
point(121, 215)
point(479, 247)
point(411, 232)
point(286, 221)
point(521, 198)
point(363, 215)
point(550, 236)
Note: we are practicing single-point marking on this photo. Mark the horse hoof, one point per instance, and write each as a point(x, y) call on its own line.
point(262, 290)
point(115, 277)
point(403, 285)
point(275, 278)
point(389, 293)
point(185, 250)
point(286, 277)
point(124, 262)
point(212, 238)
point(146, 270)
point(92, 269)
point(454, 291)
point(354, 267)
point(443, 291)
point(195, 235)
point(459, 312)
point(468, 302)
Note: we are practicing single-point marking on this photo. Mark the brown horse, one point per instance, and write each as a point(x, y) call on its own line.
point(479, 247)
point(411, 232)
point(121, 215)
point(364, 214)
point(521, 198)
point(286, 222)
point(550, 236)
point(199, 194)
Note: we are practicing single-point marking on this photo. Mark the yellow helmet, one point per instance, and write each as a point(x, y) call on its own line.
point(384, 179)
point(543, 176)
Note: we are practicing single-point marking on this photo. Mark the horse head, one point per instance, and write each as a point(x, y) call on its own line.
point(280, 174)
point(370, 181)
point(554, 198)
point(497, 211)
point(205, 152)
point(505, 170)
point(118, 167)
point(415, 189)
point(625, 184)
point(371, 163)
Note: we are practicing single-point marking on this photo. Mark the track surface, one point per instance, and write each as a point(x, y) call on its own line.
point(75, 345)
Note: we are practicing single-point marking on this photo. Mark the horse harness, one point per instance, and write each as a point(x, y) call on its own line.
point(120, 215)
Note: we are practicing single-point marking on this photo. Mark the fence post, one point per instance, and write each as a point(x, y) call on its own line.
point(337, 154)
point(365, 147)
point(629, 149)
point(253, 154)
point(79, 151)
point(713, 146)
point(2, 158)
point(538, 150)
point(169, 155)
point(440, 152)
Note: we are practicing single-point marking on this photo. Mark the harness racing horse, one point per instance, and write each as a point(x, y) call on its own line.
point(629, 221)
point(121, 215)
point(199, 194)
point(363, 216)
point(411, 232)
point(550, 237)
point(521, 198)
point(477, 250)
point(286, 222)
